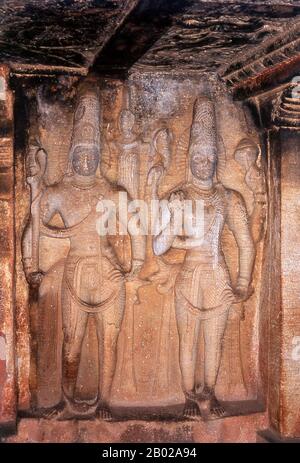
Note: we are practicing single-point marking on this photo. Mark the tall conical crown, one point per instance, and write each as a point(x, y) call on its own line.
point(203, 128)
point(86, 123)
point(203, 133)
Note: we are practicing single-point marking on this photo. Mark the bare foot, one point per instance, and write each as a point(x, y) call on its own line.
point(216, 409)
point(71, 411)
point(54, 412)
point(209, 405)
point(191, 410)
point(104, 413)
point(59, 414)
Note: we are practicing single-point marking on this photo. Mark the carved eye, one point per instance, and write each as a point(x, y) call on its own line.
point(198, 158)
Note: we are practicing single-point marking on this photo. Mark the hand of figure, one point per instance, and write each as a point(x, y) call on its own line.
point(135, 269)
point(155, 174)
point(35, 279)
point(185, 242)
point(175, 200)
point(242, 292)
point(110, 132)
point(176, 195)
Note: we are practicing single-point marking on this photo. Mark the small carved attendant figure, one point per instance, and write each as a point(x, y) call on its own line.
point(128, 165)
point(162, 149)
point(203, 291)
point(247, 155)
point(128, 147)
point(93, 283)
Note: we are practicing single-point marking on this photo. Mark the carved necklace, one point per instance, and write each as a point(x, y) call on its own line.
point(209, 197)
point(92, 194)
point(83, 185)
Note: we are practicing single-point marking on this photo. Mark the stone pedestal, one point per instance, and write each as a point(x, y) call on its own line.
point(271, 437)
point(234, 429)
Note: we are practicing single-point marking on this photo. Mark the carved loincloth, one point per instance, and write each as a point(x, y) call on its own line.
point(204, 289)
point(93, 283)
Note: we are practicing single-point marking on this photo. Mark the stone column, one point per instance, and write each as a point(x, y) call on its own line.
point(7, 257)
point(284, 287)
point(290, 283)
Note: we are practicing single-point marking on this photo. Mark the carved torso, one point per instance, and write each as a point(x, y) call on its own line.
point(91, 272)
point(204, 280)
point(214, 218)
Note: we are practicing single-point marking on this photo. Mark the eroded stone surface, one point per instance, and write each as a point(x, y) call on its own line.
point(149, 128)
point(134, 329)
point(229, 430)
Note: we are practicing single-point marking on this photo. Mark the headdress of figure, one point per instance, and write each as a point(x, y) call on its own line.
point(245, 160)
point(161, 144)
point(203, 133)
point(86, 123)
point(125, 109)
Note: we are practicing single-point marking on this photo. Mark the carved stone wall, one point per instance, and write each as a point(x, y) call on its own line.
point(7, 252)
point(145, 122)
point(167, 336)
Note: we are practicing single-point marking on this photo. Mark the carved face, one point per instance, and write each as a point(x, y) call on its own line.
point(126, 121)
point(246, 156)
point(85, 161)
point(203, 161)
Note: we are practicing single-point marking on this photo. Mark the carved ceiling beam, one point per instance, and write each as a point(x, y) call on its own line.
point(286, 110)
point(57, 37)
point(146, 23)
point(274, 63)
point(25, 70)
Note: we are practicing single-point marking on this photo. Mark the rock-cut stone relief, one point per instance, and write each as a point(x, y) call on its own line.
point(203, 290)
point(93, 278)
point(94, 348)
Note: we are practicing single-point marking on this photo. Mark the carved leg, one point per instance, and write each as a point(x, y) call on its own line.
point(108, 329)
point(214, 329)
point(74, 330)
point(188, 329)
point(74, 326)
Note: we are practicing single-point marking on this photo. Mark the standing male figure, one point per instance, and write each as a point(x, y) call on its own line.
point(93, 281)
point(203, 290)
